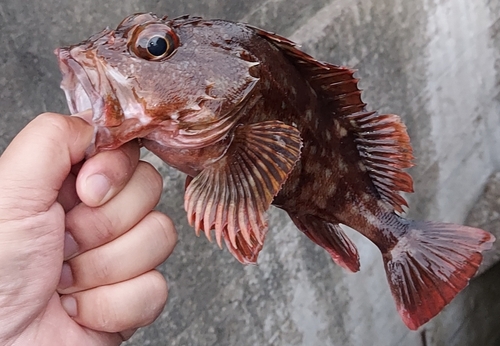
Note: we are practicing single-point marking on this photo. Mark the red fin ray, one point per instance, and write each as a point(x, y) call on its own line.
point(430, 265)
point(245, 252)
point(335, 82)
point(385, 149)
point(332, 238)
point(335, 75)
point(232, 195)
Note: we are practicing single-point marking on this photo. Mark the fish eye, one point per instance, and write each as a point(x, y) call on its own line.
point(153, 42)
point(157, 46)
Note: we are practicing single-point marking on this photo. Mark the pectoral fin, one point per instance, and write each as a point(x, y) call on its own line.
point(232, 195)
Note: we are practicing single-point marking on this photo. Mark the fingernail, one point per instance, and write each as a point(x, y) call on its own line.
point(98, 186)
point(70, 245)
point(69, 304)
point(66, 279)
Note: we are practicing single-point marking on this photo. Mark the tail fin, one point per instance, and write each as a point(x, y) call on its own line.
point(430, 265)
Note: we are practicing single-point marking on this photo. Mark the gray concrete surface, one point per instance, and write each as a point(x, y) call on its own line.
point(472, 319)
point(434, 62)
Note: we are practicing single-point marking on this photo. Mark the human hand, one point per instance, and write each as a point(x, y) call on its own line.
point(107, 286)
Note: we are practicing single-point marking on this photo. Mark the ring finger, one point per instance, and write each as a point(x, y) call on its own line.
point(138, 251)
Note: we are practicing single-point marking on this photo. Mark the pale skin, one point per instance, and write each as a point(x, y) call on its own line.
point(77, 254)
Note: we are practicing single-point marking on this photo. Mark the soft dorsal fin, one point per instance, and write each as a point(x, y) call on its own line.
point(382, 140)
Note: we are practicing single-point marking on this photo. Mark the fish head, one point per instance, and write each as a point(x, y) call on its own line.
point(180, 82)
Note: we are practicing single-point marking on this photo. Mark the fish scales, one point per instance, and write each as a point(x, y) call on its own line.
point(254, 121)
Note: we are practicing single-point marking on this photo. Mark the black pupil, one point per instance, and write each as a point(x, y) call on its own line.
point(157, 46)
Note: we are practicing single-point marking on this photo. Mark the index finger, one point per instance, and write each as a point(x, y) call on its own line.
point(105, 174)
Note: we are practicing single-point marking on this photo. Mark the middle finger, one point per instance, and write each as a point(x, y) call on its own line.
point(88, 227)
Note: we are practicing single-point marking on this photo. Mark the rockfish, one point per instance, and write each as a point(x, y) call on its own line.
point(254, 121)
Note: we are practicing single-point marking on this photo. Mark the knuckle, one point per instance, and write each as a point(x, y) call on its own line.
point(58, 127)
point(145, 296)
point(54, 122)
point(57, 121)
point(158, 294)
point(164, 231)
point(165, 224)
point(105, 314)
point(103, 227)
point(100, 268)
point(49, 116)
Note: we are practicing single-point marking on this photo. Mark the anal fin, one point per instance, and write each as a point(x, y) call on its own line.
point(332, 238)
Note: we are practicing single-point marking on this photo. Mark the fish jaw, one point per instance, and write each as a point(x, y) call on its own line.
point(80, 92)
point(117, 116)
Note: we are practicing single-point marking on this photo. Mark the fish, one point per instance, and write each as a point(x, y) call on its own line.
point(254, 121)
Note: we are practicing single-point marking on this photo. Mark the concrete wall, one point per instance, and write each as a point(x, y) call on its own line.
point(434, 62)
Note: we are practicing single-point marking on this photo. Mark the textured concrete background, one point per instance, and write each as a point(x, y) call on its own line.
point(434, 62)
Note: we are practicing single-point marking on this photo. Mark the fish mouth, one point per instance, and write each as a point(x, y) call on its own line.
point(116, 116)
point(81, 93)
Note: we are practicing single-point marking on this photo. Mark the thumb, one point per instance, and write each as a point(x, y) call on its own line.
point(35, 164)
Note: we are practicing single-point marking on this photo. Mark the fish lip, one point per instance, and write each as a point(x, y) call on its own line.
point(81, 93)
point(86, 86)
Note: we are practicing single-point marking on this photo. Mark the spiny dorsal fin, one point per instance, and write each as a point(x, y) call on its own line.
point(382, 140)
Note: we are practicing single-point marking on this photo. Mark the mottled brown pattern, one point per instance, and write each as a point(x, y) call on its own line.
point(249, 117)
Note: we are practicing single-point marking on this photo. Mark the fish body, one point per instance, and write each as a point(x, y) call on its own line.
point(254, 121)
